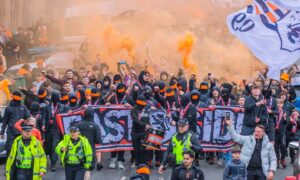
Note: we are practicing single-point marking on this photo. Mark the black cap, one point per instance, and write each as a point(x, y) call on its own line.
point(183, 122)
point(27, 127)
point(74, 128)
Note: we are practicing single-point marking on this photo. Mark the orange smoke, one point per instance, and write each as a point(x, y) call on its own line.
point(128, 44)
point(185, 47)
point(116, 43)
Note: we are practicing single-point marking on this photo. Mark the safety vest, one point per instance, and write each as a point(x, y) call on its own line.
point(24, 157)
point(179, 147)
point(33, 154)
point(75, 153)
point(81, 153)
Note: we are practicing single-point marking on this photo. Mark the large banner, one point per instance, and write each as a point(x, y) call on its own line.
point(115, 126)
point(271, 30)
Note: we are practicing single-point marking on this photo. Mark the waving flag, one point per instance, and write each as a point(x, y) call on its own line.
point(272, 32)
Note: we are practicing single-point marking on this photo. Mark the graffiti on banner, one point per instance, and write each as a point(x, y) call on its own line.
point(115, 126)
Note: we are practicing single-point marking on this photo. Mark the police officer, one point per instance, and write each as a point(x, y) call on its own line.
point(75, 153)
point(13, 112)
point(181, 141)
point(188, 171)
point(27, 159)
point(89, 129)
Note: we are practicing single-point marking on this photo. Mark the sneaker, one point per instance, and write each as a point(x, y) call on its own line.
point(112, 164)
point(99, 166)
point(120, 165)
point(283, 163)
point(220, 162)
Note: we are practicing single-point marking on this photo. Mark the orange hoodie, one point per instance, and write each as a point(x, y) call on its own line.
point(35, 132)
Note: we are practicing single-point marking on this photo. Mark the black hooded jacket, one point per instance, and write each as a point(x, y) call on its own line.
point(106, 89)
point(13, 112)
point(89, 128)
point(140, 117)
point(189, 112)
point(197, 103)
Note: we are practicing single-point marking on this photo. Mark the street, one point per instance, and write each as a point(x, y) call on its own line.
point(211, 172)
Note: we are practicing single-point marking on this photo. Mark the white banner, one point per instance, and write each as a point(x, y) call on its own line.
point(271, 32)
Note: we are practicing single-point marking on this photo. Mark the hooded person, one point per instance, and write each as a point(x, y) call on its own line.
point(99, 86)
point(120, 96)
point(117, 79)
point(151, 102)
point(36, 112)
point(170, 100)
point(140, 123)
point(96, 100)
point(195, 99)
point(226, 96)
point(13, 112)
point(106, 85)
point(204, 91)
point(182, 88)
point(51, 127)
point(89, 129)
point(188, 111)
point(160, 93)
point(64, 98)
point(73, 105)
point(230, 88)
point(142, 82)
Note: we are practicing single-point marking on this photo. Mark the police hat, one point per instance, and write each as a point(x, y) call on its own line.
point(74, 128)
point(27, 127)
point(183, 122)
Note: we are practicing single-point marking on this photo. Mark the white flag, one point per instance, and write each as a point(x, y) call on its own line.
point(271, 32)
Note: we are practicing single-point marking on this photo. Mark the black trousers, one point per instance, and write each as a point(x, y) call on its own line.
point(280, 145)
point(140, 153)
point(120, 155)
point(74, 172)
point(9, 142)
point(52, 140)
point(158, 155)
point(24, 174)
point(255, 174)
